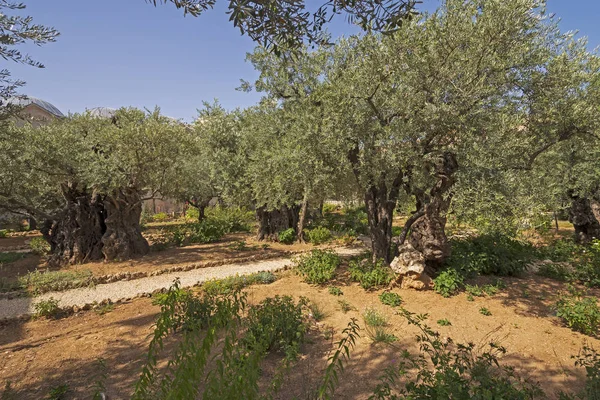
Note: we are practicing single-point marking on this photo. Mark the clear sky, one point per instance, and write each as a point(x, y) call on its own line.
point(115, 53)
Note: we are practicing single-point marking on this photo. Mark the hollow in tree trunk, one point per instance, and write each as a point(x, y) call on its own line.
point(270, 223)
point(584, 214)
point(123, 237)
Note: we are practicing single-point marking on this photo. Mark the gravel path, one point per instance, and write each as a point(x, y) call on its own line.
point(129, 289)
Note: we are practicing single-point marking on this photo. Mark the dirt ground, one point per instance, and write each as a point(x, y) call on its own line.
point(154, 260)
point(41, 354)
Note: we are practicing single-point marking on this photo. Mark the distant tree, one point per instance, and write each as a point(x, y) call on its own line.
point(283, 25)
point(14, 31)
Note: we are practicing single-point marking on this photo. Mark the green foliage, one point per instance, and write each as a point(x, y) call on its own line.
point(9, 257)
point(39, 246)
point(345, 306)
point(447, 370)
point(370, 275)
point(444, 322)
point(241, 245)
point(381, 334)
point(47, 308)
point(491, 254)
point(58, 392)
point(329, 208)
point(236, 283)
point(232, 219)
point(319, 235)
point(481, 291)
point(556, 271)
point(38, 282)
point(390, 299)
point(580, 313)
point(287, 236)
point(318, 266)
point(101, 374)
point(485, 311)
point(102, 309)
point(356, 220)
point(161, 217)
point(316, 311)
point(276, 323)
point(589, 359)
point(3, 233)
point(207, 231)
point(448, 282)
point(334, 290)
point(374, 318)
point(192, 214)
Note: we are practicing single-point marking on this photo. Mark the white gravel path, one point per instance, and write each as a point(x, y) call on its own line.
point(129, 289)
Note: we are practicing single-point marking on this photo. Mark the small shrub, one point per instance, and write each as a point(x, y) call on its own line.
point(336, 291)
point(481, 291)
point(448, 282)
point(276, 323)
point(3, 234)
point(381, 334)
point(58, 392)
point(319, 235)
point(316, 311)
point(160, 217)
point(374, 317)
point(55, 281)
point(318, 266)
point(47, 308)
point(102, 309)
point(329, 208)
point(9, 257)
point(39, 246)
point(589, 359)
point(235, 283)
point(556, 271)
point(444, 322)
point(345, 306)
point(580, 313)
point(160, 244)
point(192, 214)
point(287, 236)
point(231, 219)
point(370, 275)
point(390, 299)
point(485, 311)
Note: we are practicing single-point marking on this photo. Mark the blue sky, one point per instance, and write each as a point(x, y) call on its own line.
point(116, 53)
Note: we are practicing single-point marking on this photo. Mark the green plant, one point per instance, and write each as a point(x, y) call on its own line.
point(319, 235)
point(480, 291)
point(370, 275)
point(444, 322)
point(447, 370)
point(231, 219)
point(3, 234)
point(485, 311)
point(318, 266)
point(237, 282)
point(192, 214)
point(102, 309)
point(580, 313)
point(448, 282)
point(345, 306)
point(316, 311)
point(491, 254)
point(381, 334)
point(329, 208)
point(390, 299)
point(241, 245)
point(54, 281)
point(101, 374)
point(160, 217)
point(556, 271)
point(58, 392)
point(9, 257)
point(373, 317)
point(589, 359)
point(470, 298)
point(287, 236)
point(47, 308)
point(39, 246)
point(336, 291)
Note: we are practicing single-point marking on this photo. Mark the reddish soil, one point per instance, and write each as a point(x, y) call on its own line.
point(41, 354)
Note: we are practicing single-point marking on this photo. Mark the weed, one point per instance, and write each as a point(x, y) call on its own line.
point(55, 281)
point(47, 308)
point(345, 306)
point(102, 309)
point(370, 275)
point(3, 233)
point(580, 313)
point(160, 217)
point(448, 282)
point(10, 257)
point(556, 271)
point(319, 235)
point(241, 245)
point(381, 334)
point(390, 299)
point(237, 282)
point(318, 266)
point(589, 359)
point(470, 298)
point(374, 318)
point(485, 311)
point(316, 311)
point(39, 246)
point(287, 236)
point(58, 392)
point(481, 291)
point(334, 290)
point(444, 322)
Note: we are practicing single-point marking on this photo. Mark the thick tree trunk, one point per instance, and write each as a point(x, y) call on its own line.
point(32, 223)
point(584, 214)
point(270, 223)
point(428, 234)
point(302, 219)
point(380, 212)
point(123, 237)
point(76, 237)
point(201, 207)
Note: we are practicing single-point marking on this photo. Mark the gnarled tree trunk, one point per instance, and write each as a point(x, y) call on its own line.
point(76, 236)
point(123, 237)
point(270, 223)
point(380, 211)
point(584, 214)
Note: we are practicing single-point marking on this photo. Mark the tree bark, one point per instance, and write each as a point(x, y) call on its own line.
point(123, 237)
point(380, 207)
point(270, 223)
point(32, 223)
point(302, 219)
point(584, 214)
point(428, 234)
point(201, 207)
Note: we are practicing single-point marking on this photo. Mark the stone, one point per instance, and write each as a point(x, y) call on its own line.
point(410, 268)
